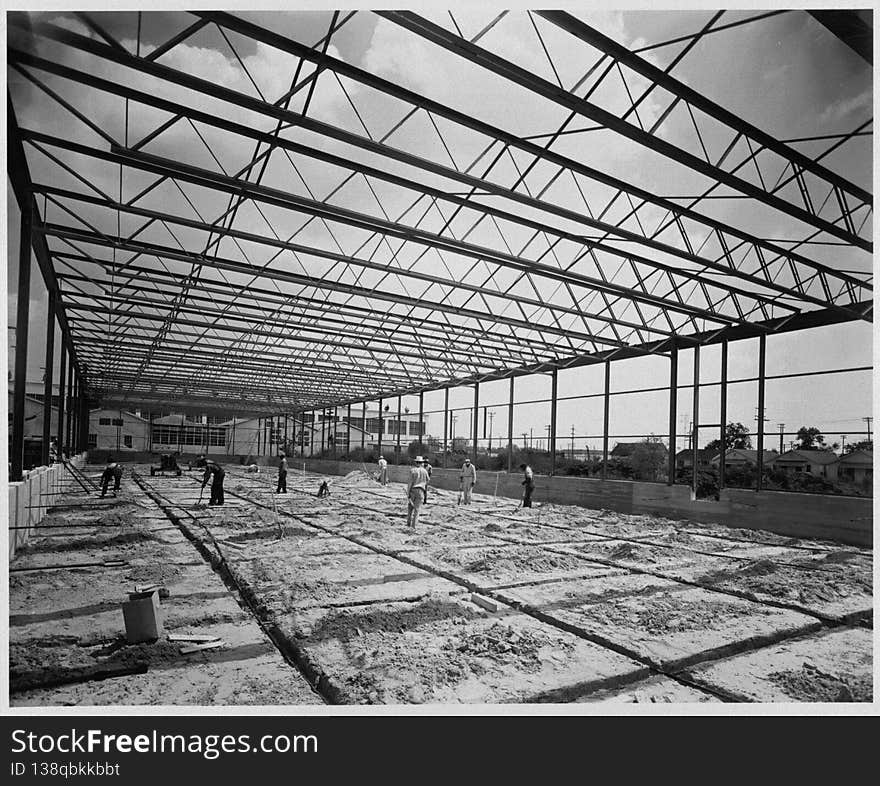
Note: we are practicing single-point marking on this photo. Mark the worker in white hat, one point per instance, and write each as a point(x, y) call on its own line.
point(383, 471)
point(467, 479)
point(416, 491)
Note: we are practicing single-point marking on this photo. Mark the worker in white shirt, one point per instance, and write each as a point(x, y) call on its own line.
point(416, 491)
point(383, 471)
point(529, 485)
point(467, 479)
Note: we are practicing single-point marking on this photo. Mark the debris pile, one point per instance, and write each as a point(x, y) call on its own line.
point(808, 683)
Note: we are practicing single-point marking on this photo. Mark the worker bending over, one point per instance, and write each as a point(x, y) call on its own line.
point(282, 475)
point(467, 479)
point(323, 489)
point(383, 471)
point(529, 485)
point(416, 491)
point(215, 471)
point(113, 471)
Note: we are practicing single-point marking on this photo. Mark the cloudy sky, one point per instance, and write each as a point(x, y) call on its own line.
point(787, 75)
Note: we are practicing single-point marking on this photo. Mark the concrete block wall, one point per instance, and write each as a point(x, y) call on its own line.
point(29, 500)
point(844, 519)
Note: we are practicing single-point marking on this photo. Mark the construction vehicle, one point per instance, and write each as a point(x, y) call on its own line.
point(167, 465)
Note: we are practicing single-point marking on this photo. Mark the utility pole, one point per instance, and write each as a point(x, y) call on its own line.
point(491, 415)
point(531, 437)
point(868, 421)
point(525, 440)
point(572, 442)
point(843, 443)
point(781, 430)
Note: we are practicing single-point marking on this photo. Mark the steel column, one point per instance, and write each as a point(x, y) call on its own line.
point(606, 418)
point(762, 359)
point(68, 431)
point(510, 431)
point(21, 345)
point(696, 425)
point(673, 410)
point(47, 376)
point(421, 421)
point(399, 415)
point(363, 430)
point(722, 461)
point(381, 426)
point(62, 393)
point(348, 433)
point(475, 423)
point(445, 426)
point(553, 403)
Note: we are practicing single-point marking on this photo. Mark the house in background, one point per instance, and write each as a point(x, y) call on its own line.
point(740, 457)
point(684, 459)
point(856, 467)
point(118, 430)
point(821, 463)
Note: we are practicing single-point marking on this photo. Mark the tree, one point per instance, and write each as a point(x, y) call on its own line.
point(736, 436)
point(647, 460)
point(865, 444)
point(810, 438)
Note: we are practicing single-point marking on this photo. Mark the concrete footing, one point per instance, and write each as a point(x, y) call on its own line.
point(29, 499)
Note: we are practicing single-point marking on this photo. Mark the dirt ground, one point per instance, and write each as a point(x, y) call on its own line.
point(484, 603)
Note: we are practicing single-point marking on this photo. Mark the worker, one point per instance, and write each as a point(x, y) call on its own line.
point(383, 471)
point(213, 469)
point(529, 485)
point(467, 479)
point(255, 468)
point(323, 489)
point(429, 470)
point(282, 475)
point(112, 471)
point(416, 491)
point(199, 462)
point(53, 451)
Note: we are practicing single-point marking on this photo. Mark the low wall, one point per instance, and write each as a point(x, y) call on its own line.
point(29, 499)
point(843, 519)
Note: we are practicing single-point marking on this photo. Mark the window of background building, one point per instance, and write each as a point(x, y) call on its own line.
point(126, 440)
point(93, 441)
point(103, 421)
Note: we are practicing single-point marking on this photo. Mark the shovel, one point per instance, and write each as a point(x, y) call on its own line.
point(459, 493)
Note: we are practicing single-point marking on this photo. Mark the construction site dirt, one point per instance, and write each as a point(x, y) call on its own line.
point(288, 599)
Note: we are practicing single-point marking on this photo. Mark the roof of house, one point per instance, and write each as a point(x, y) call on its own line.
point(115, 413)
point(704, 453)
point(746, 454)
point(807, 457)
point(858, 457)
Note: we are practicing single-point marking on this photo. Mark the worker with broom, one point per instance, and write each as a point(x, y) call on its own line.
point(215, 471)
point(112, 471)
point(383, 471)
point(467, 480)
point(416, 491)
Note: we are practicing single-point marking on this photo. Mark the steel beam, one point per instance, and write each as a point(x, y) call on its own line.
point(593, 112)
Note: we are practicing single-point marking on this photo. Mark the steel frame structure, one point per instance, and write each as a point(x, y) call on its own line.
point(485, 274)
